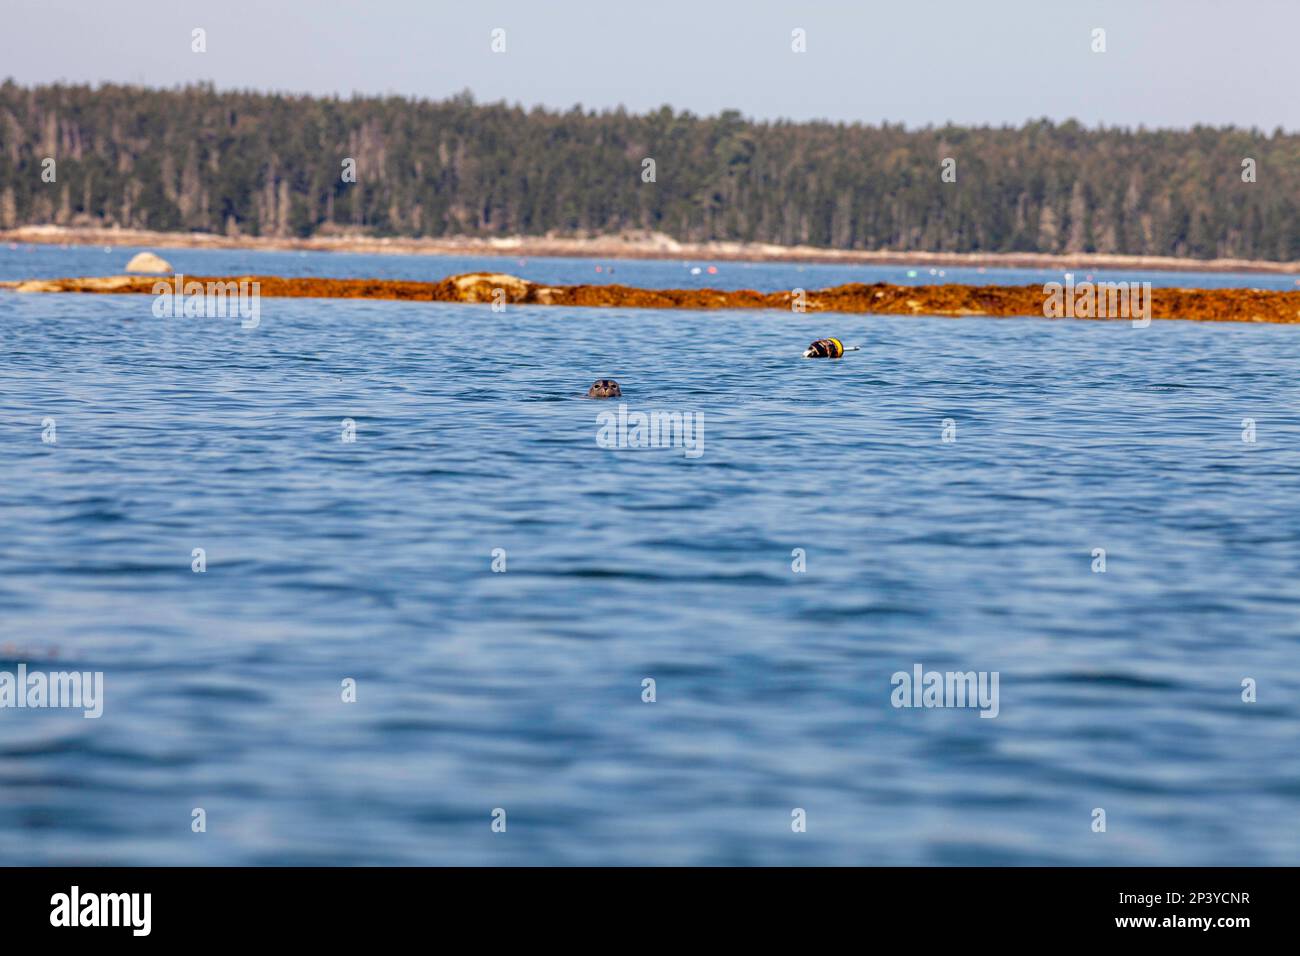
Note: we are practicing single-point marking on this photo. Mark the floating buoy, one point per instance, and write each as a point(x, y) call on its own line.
point(829, 348)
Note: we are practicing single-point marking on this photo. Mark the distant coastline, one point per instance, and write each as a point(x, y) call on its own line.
point(631, 245)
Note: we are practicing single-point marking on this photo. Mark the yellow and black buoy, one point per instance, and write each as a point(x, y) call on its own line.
point(828, 348)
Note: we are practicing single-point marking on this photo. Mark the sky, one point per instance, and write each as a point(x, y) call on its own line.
point(1167, 63)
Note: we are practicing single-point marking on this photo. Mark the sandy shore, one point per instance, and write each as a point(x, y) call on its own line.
point(640, 245)
point(1214, 305)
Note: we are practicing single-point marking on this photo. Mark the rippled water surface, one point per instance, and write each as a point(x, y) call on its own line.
point(522, 690)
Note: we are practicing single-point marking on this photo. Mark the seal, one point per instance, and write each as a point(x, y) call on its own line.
point(605, 388)
point(828, 348)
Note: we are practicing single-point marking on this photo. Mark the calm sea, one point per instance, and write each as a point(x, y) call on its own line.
point(947, 491)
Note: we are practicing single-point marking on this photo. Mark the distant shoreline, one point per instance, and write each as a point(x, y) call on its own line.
point(631, 246)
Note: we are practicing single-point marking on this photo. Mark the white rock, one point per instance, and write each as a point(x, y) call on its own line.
point(148, 262)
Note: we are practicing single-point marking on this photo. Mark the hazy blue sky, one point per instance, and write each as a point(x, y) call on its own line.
point(1168, 62)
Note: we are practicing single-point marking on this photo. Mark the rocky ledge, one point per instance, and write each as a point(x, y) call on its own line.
point(1219, 305)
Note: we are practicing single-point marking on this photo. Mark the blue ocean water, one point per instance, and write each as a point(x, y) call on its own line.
point(522, 691)
point(45, 262)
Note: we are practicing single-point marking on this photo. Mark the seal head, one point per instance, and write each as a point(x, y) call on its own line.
point(605, 388)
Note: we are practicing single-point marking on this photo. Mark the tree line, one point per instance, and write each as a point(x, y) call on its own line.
point(199, 159)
